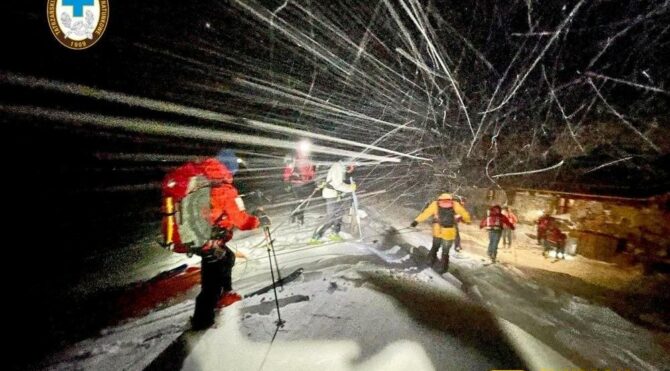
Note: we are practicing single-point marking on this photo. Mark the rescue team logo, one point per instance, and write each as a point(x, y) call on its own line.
point(78, 24)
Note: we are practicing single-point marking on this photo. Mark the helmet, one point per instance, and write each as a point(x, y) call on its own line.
point(227, 157)
point(445, 196)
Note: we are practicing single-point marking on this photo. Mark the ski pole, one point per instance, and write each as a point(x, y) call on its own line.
point(514, 250)
point(358, 217)
point(280, 322)
point(306, 201)
point(272, 247)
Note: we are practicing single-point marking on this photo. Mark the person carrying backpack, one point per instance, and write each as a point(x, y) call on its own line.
point(494, 223)
point(444, 211)
point(207, 186)
point(555, 239)
point(507, 232)
point(542, 226)
point(333, 190)
point(299, 174)
point(459, 219)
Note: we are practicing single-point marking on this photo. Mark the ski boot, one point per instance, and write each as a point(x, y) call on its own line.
point(445, 264)
point(198, 325)
point(314, 241)
point(432, 258)
point(335, 237)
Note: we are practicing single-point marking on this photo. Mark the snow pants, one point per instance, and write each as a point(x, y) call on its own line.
point(335, 210)
point(541, 235)
point(216, 278)
point(446, 246)
point(559, 247)
point(494, 240)
point(507, 236)
point(457, 240)
point(301, 193)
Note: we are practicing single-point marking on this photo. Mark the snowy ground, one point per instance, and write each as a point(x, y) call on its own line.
point(371, 305)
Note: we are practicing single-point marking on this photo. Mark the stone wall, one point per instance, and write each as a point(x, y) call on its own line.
point(528, 207)
point(640, 229)
point(643, 229)
point(477, 201)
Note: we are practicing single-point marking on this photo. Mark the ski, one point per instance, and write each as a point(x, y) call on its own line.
point(287, 279)
point(172, 358)
point(315, 244)
point(167, 274)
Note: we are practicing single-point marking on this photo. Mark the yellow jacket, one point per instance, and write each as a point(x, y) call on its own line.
point(438, 231)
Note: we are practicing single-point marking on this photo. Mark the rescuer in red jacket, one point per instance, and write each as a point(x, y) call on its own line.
point(299, 174)
point(542, 226)
point(494, 223)
point(555, 239)
point(507, 232)
point(227, 212)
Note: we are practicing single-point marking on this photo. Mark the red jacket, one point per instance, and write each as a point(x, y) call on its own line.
point(227, 207)
point(495, 220)
point(300, 172)
point(555, 236)
point(511, 217)
point(543, 225)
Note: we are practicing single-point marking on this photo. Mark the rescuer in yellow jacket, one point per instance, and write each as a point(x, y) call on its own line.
point(444, 211)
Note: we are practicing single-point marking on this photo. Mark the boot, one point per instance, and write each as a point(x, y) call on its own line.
point(431, 259)
point(335, 237)
point(201, 324)
point(445, 264)
point(432, 254)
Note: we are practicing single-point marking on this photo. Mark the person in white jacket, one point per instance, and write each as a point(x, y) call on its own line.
point(333, 190)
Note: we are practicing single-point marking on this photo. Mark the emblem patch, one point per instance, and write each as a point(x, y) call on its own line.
point(78, 24)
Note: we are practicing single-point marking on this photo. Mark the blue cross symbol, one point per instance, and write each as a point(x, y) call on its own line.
point(78, 6)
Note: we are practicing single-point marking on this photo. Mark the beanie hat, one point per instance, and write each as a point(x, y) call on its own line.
point(227, 157)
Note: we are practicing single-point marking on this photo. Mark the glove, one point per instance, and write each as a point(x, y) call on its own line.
point(219, 233)
point(353, 187)
point(219, 253)
point(414, 224)
point(262, 217)
point(287, 188)
point(265, 220)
